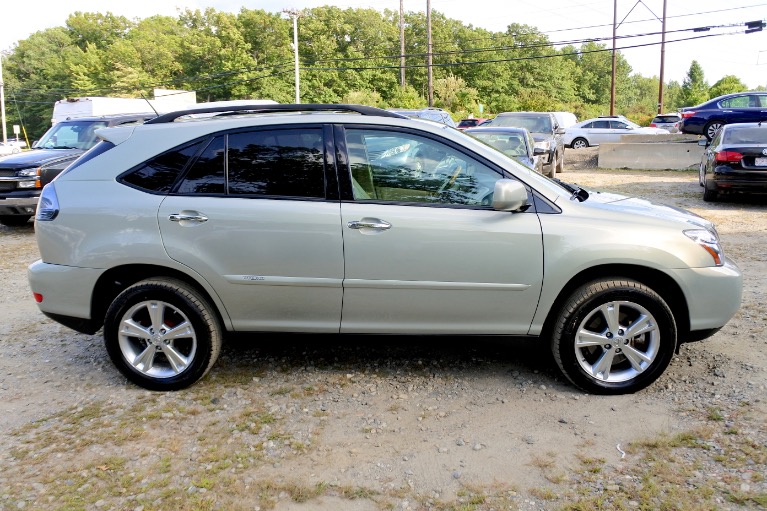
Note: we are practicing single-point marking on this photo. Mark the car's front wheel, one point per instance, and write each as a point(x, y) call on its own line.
point(614, 337)
point(162, 334)
point(580, 143)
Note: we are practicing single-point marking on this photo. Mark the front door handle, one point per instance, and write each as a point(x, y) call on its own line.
point(369, 223)
point(186, 217)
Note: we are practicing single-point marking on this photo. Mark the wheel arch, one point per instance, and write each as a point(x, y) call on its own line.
point(658, 281)
point(119, 278)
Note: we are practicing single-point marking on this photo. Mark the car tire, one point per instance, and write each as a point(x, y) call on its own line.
point(162, 334)
point(614, 336)
point(14, 220)
point(579, 143)
point(711, 128)
point(708, 194)
point(561, 163)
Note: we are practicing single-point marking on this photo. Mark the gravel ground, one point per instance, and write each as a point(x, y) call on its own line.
point(315, 423)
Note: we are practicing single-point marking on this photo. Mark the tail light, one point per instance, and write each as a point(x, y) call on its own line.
point(687, 114)
point(653, 125)
point(728, 157)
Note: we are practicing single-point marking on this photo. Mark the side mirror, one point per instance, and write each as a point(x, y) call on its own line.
point(538, 151)
point(510, 195)
point(703, 142)
point(34, 144)
point(560, 131)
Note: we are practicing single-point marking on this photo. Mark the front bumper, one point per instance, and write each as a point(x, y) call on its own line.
point(18, 206)
point(713, 295)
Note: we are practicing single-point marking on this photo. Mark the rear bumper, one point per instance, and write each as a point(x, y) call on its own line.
point(66, 293)
point(726, 179)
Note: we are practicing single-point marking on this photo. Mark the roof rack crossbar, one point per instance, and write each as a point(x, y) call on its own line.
point(261, 108)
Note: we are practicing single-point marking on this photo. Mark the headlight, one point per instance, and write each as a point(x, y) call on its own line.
point(29, 172)
point(709, 242)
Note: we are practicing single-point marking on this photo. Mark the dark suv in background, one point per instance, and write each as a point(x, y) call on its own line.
point(23, 175)
point(546, 132)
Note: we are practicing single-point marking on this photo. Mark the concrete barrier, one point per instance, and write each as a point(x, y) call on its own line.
point(650, 155)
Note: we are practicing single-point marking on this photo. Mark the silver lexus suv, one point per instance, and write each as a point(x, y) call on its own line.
point(345, 219)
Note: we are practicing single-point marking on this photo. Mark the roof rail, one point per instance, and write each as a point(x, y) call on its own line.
point(261, 108)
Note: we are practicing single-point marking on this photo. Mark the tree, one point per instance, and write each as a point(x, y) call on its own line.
point(727, 85)
point(694, 86)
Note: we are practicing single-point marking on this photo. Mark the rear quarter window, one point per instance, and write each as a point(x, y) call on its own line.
point(161, 172)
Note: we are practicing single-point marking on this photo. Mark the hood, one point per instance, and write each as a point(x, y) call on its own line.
point(38, 157)
point(638, 206)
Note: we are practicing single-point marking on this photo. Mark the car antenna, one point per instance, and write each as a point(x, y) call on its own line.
point(150, 105)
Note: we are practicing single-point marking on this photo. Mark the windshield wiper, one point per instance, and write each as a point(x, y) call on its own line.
point(62, 147)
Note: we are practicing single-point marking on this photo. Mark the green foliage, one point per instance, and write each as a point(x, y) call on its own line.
point(345, 55)
point(727, 85)
point(694, 86)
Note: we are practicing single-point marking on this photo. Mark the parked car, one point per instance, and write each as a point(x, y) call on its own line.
point(25, 173)
point(601, 130)
point(545, 130)
point(668, 122)
point(517, 143)
point(735, 161)
point(9, 148)
point(430, 113)
point(705, 119)
point(470, 123)
point(173, 233)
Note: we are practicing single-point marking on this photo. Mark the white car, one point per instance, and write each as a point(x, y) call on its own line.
point(9, 148)
point(354, 220)
point(601, 130)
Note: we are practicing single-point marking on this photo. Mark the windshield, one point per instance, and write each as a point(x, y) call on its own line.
point(71, 135)
point(533, 124)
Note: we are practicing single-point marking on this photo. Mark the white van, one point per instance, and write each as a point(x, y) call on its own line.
point(565, 119)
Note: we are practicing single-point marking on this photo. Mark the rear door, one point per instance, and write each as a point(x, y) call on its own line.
point(424, 251)
point(258, 217)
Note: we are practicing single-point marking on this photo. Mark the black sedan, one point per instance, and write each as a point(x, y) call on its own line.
point(517, 143)
point(705, 119)
point(735, 161)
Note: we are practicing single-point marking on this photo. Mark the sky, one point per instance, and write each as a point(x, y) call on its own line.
point(722, 50)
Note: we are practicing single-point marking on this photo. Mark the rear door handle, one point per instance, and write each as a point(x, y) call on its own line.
point(369, 223)
point(187, 217)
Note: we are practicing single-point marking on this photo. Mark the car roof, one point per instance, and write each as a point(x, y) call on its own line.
point(506, 129)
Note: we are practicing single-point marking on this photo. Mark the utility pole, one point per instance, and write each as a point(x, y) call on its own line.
point(662, 57)
point(2, 99)
point(293, 13)
point(428, 53)
point(612, 81)
point(402, 43)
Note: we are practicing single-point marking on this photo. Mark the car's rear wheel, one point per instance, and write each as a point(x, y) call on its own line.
point(162, 334)
point(709, 195)
point(580, 143)
point(711, 128)
point(614, 337)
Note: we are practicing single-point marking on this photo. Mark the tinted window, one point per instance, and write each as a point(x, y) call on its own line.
point(159, 173)
point(277, 162)
point(416, 170)
point(745, 136)
point(736, 102)
point(600, 124)
point(208, 173)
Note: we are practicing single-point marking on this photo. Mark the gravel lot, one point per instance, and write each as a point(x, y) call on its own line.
point(396, 423)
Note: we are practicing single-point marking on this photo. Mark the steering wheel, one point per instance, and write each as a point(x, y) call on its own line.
point(451, 180)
